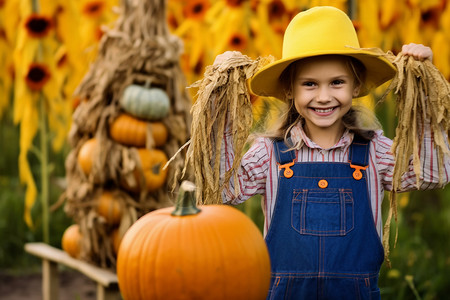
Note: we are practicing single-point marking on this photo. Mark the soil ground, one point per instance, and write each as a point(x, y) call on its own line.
point(72, 286)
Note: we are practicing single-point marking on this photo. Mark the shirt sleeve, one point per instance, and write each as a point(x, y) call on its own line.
point(252, 172)
point(432, 173)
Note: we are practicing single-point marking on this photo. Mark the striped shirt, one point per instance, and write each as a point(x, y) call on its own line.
point(258, 173)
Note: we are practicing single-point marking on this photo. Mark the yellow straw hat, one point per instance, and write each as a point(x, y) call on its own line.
point(318, 31)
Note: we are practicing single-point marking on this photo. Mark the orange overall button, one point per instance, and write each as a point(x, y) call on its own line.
point(357, 174)
point(323, 183)
point(288, 173)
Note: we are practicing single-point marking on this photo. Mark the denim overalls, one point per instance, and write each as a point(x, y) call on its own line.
point(322, 240)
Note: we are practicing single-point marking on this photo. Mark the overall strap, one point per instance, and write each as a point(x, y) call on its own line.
point(359, 151)
point(281, 154)
point(358, 156)
point(285, 159)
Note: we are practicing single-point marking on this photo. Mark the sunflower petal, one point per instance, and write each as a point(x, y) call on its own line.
point(28, 129)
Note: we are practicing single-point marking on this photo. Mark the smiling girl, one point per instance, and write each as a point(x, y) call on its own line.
point(322, 89)
point(324, 171)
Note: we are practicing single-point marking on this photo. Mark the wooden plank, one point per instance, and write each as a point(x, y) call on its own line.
point(50, 280)
point(47, 252)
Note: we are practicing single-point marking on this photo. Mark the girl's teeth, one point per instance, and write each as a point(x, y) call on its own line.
point(323, 110)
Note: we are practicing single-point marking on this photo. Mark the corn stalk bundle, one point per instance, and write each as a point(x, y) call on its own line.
point(222, 101)
point(138, 49)
point(423, 99)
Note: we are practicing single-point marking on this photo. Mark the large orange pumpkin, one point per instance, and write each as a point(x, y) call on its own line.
point(109, 208)
point(215, 252)
point(71, 240)
point(152, 162)
point(130, 131)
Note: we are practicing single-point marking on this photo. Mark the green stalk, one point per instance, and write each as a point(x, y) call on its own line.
point(185, 203)
point(43, 153)
point(44, 170)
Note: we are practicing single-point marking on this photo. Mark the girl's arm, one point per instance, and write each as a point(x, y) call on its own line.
point(254, 164)
point(432, 175)
point(252, 173)
point(430, 169)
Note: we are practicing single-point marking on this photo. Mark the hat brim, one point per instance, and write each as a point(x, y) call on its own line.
point(378, 70)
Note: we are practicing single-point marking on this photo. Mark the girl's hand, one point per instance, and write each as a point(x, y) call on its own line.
point(221, 58)
point(418, 51)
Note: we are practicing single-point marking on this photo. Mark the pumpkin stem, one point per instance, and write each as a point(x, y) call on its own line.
point(185, 204)
point(148, 83)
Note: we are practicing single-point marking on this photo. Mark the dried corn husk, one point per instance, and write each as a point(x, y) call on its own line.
point(422, 97)
point(222, 95)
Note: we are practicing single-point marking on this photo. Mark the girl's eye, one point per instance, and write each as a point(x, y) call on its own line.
point(337, 82)
point(308, 83)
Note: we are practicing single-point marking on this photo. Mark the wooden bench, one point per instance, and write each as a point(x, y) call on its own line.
point(107, 285)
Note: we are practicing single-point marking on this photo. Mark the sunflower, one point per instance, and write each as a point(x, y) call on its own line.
point(276, 9)
point(235, 3)
point(93, 9)
point(237, 41)
point(431, 17)
point(35, 82)
point(196, 9)
point(38, 26)
point(265, 35)
point(37, 76)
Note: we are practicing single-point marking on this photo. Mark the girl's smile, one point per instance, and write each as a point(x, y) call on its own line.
point(323, 92)
point(324, 111)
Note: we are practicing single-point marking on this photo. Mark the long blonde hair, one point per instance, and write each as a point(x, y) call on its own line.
point(358, 119)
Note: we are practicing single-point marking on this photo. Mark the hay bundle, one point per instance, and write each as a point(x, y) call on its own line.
point(222, 100)
point(139, 49)
point(422, 97)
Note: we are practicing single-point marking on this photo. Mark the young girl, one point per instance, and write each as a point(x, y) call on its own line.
point(323, 174)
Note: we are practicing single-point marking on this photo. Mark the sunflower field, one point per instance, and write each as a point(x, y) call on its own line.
point(64, 63)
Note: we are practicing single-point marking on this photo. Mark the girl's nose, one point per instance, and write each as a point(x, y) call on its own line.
point(323, 94)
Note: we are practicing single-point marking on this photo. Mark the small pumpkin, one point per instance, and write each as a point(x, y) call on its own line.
point(71, 240)
point(152, 162)
point(148, 103)
point(215, 252)
point(159, 133)
point(86, 155)
point(109, 208)
point(131, 131)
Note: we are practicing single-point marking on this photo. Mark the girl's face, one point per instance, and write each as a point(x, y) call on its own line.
point(323, 91)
